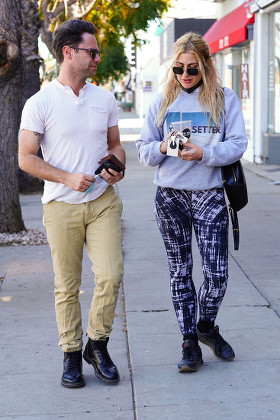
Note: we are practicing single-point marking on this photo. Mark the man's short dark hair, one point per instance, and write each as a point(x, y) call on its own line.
point(70, 33)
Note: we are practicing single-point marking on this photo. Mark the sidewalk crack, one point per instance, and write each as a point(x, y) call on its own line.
point(128, 356)
point(155, 310)
point(269, 305)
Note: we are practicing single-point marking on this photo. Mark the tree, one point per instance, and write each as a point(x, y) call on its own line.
point(11, 87)
point(29, 44)
point(115, 20)
point(30, 33)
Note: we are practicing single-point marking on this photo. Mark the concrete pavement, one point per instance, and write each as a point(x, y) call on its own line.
point(146, 342)
point(247, 388)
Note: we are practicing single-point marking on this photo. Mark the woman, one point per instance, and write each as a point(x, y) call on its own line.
point(190, 192)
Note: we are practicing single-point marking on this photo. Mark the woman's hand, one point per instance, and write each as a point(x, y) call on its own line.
point(193, 152)
point(164, 144)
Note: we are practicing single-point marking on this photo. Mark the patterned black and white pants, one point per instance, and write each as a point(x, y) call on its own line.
point(177, 212)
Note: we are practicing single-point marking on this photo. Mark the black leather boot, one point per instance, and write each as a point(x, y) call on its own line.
point(72, 376)
point(97, 355)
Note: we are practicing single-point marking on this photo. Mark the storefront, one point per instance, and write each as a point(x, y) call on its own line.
point(231, 42)
point(267, 83)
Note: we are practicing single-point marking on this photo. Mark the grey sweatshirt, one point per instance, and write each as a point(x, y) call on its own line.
point(172, 172)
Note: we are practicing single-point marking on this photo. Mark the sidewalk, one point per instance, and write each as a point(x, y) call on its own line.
point(130, 126)
point(249, 387)
point(146, 342)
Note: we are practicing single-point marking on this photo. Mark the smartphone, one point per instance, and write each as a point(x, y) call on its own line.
point(106, 165)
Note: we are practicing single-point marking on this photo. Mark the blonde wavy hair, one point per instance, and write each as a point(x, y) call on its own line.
point(211, 94)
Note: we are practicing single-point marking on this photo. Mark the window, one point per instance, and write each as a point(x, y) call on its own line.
point(277, 73)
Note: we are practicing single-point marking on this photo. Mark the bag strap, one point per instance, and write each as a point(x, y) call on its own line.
point(233, 213)
point(235, 228)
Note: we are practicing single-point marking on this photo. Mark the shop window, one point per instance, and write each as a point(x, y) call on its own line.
point(277, 73)
point(228, 70)
point(232, 62)
point(246, 103)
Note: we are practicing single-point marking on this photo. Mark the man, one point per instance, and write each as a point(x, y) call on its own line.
point(76, 125)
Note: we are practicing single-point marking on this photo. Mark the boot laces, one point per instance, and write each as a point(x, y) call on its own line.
point(103, 352)
point(188, 352)
point(74, 361)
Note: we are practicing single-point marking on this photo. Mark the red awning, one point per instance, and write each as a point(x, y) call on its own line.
point(229, 30)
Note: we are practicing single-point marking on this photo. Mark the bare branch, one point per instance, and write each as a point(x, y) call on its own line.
point(45, 7)
point(86, 9)
point(55, 5)
point(61, 7)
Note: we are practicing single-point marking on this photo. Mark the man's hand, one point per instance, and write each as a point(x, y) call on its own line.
point(111, 177)
point(78, 181)
point(193, 152)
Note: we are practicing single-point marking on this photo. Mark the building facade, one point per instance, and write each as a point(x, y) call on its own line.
point(245, 42)
point(231, 42)
point(267, 80)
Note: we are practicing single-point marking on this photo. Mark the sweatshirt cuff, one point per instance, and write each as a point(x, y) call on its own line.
point(158, 155)
point(206, 155)
point(201, 160)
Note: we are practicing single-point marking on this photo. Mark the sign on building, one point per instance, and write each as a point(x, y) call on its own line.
point(148, 86)
point(244, 81)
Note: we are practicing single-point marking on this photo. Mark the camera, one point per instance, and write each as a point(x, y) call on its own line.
point(178, 140)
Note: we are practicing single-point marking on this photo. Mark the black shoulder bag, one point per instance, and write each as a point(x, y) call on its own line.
point(236, 190)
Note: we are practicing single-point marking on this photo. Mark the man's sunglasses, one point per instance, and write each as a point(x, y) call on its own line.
point(190, 71)
point(91, 51)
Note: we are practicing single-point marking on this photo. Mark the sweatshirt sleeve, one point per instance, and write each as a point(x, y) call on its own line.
point(148, 146)
point(235, 139)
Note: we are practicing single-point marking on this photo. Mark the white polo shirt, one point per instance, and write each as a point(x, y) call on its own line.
point(74, 133)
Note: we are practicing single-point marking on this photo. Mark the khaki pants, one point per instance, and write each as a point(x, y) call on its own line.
point(69, 227)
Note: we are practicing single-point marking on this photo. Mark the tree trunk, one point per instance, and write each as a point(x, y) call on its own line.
point(29, 44)
point(11, 86)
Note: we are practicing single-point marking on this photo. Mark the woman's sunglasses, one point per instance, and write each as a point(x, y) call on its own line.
point(190, 71)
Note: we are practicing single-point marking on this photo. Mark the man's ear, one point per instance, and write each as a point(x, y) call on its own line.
point(67, 52)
